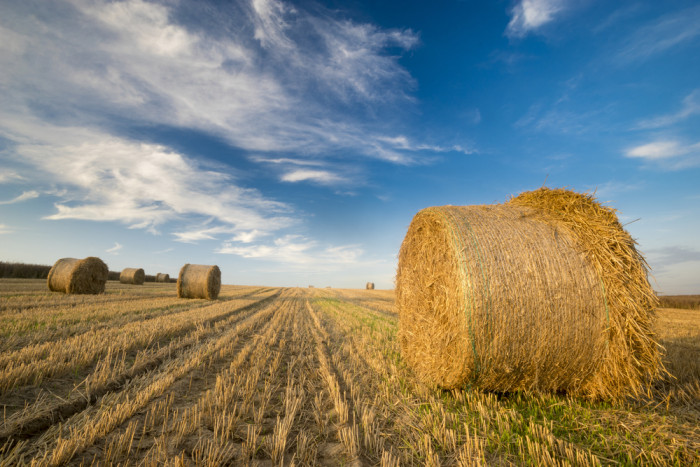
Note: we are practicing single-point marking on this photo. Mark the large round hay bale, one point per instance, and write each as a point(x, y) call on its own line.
point(370, 286)
point(161, 277)
point(78, 276)
point(199, 281)
point(134, 276)
point(546, 292)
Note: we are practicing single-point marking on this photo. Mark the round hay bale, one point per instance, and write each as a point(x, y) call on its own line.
point(134, 276)
point(78, 276)
point(546, 292)
point(370, 286)
point(199, 281)
point(161, 277)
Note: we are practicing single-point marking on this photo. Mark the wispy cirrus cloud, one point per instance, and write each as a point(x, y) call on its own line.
point(268, 78)
point(689, 107)
point(298, 251)
point(663, 33)
point(668, 154)
point(115, 249)
point(529, 15)
point(305, 89)
point(7, 175)
point(403, 143)
point(4, 229)
point(31, 194)
point(662, 258)
point(323, 177)
point(103, 178)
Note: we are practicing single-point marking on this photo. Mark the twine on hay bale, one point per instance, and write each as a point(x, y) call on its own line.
point(370, 286)
point(546, 292)
point(78, 276)
point(134, 276)
point(199, 281)
point(161, 277)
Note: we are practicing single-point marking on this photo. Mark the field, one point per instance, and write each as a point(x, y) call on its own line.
point(270, 376)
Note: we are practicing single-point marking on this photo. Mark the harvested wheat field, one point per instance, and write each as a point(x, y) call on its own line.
point(282, 376)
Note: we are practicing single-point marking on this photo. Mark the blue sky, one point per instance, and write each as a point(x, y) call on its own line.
point(291, 143)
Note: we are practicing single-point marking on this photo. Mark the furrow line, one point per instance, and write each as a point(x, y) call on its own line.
point(61, 443)
point(41, 414)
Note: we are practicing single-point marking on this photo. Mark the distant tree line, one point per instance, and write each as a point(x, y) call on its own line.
point(24, 271)
point(39, 271)
point(690, 302)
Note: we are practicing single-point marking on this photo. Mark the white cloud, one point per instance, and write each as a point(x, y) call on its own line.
point(690, 107)
point(4, 229)
point(31, 194)
point(286, 161)
point(656, 150)
point(248, 237)
point(115, 249)
point(7, 175)
point(196, 235)
point(529, 15)
point(269, 78)
point(145, 185)
point(298, 251)
point(266, 78)
point(320, 176)
point(666, 32)
point(403, 143)
point(672, 155)
point(270, 26)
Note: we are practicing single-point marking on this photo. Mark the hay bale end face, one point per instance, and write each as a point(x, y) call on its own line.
point(78, 276)
point(546, 292)
point(370, 286)
point(134, 276)
point(199, 281)
point(161, 277)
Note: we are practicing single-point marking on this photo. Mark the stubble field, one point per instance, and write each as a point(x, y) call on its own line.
point(282, 376)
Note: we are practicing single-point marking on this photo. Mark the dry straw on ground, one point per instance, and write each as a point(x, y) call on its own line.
point(370, 286)
point(161, 277)
point(134, 276)
point(546, 292)
point(78, 276)
point(199, 281)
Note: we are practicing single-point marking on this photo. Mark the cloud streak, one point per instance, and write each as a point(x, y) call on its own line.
point(115, 249)
point(32, 194)
point(669, 154)
point(663, 258)
point(298, 251)
point(143, 185)
point(299, 82)
point(664, 33)
point(529, 15)
point(690, 107)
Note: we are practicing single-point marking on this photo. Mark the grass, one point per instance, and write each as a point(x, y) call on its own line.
point(306, 376)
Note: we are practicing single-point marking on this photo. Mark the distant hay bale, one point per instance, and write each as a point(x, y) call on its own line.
point(134, 276)
point(370, 286)
point(199, 281)
point(78, 276)
point(161, 277)
point(546, 292)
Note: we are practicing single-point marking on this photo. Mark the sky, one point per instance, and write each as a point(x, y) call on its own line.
point(291, 143)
